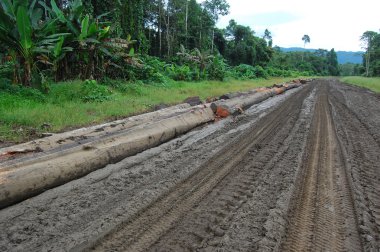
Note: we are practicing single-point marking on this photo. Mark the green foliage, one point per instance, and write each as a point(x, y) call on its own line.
point(321, 62)
point(64, 108)
point(179, 73)
point(370, 83)
point(217, 70)
point(260, 72)
point(21, 92)
point(244, 72)
point(350, 69)
point(6, 70)
point(371, 59)
point(91, 91)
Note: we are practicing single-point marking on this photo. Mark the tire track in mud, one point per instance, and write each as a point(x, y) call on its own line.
point(323, 214)
point(247, 196)
point(140, 232)
point(361, 150)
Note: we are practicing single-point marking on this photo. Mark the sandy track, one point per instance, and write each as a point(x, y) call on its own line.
point(323, 217)
point(298, 172)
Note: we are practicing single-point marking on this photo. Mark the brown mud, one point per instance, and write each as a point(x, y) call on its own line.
point(297, 172)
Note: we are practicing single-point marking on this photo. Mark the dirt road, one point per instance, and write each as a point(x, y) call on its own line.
point(298, 172)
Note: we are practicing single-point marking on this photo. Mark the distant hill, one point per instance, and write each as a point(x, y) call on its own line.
point(343, 56)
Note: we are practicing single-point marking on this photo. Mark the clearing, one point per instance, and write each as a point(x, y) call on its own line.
point(297, 172)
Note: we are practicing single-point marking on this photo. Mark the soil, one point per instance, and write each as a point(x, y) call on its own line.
point(297, 172)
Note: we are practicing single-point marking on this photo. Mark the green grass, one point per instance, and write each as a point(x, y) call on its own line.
point(21, 118)
point(370, 83)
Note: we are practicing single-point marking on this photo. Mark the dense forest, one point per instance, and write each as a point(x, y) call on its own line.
point(371, 58)
point(150, 40)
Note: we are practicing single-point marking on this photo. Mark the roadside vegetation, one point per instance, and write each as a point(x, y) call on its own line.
point(27, 113)
point(370, 83)
point(69, 63)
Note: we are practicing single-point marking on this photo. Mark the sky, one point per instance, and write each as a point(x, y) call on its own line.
point(330, 24)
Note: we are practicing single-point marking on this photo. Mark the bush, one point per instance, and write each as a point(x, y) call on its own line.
point(6, 70)
point(244, 72)
point(217, 70)
point(181, 73)
point(23, 92)
point(91, 91)
point(260, 72)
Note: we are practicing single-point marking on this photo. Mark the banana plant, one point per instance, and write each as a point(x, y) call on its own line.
point(23, 33)
point(16, 33)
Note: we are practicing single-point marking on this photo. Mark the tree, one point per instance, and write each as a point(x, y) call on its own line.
point(245, 48)
point(305, 39)
point(216, 8)
point(332, 62)
point(367, 39)
point(268, 37)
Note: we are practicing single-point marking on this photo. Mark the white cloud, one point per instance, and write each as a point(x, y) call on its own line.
point(330, 24)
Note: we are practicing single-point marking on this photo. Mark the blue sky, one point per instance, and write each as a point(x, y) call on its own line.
point(329, 23)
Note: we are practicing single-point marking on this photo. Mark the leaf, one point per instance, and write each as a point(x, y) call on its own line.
point(68, 49)
point(36, 16)
point(72, 28)
point(92, 29)
point(5, 21)
point(132, 52)
point(84, 28)
point(47, 8)
point(103, 33)
point(57, 11)
point(58, 47)
point(92, 40)
point(104, 14)
point(57, 35)
point(48, 41)
point(24, 27)
point(31, 8)
point(76, 7)
point(41, 50)
point(8, 7)
point(106, 52)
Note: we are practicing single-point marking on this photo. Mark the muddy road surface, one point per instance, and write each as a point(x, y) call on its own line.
point(297, 172)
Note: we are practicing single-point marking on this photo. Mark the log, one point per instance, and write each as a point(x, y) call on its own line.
point(26, 179)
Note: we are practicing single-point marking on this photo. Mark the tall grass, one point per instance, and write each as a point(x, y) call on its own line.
point(22, 118)
point(370, 83)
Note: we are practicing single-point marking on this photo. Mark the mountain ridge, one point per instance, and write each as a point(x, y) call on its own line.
point(355, 57)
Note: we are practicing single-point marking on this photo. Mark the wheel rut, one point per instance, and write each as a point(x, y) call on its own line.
point(142, 231)
point(298, 172)
point(323, 217)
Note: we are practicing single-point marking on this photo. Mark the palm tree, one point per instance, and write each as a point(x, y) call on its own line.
point(305, 39)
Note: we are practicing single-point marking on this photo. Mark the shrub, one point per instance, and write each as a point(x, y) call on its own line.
point(23, 92)
point(180, 73)
point(91, 91)
point(260, 72)
point(244, 72)
point(6, 70)
point(217, 70)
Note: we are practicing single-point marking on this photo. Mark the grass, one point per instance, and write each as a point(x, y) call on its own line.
point(370, 83)
point(21, 118)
